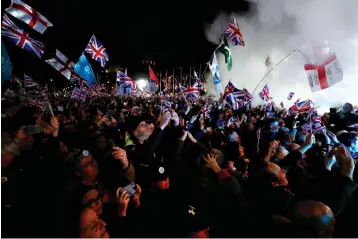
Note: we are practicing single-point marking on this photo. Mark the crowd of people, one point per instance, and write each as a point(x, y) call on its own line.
point(136, 167)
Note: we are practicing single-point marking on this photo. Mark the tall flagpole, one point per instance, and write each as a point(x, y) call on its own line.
point(181, 75)
point(160, 81)
point(166, 78)
point(173, 81)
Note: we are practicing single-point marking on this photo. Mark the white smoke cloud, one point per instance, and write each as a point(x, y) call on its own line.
point(276, 28)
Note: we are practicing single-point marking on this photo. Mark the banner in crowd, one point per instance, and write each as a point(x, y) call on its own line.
point(84, 69)
point(6, 67)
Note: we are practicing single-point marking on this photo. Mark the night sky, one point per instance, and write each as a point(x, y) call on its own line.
point(170, 33)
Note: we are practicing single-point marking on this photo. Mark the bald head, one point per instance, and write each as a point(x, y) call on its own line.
point(314, 216)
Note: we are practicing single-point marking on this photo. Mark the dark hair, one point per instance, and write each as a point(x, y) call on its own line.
point(347, 138)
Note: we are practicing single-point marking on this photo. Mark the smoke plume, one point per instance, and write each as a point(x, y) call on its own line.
point(275, 28)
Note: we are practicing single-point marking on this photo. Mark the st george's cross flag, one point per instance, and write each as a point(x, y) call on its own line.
point(321, 65)
point(62, 64)
point(28, 15)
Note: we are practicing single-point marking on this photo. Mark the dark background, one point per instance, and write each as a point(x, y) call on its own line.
point(171, 33)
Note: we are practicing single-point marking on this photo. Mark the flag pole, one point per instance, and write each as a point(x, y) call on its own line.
point(160, 81)
point(166, 78)
point(173, 82)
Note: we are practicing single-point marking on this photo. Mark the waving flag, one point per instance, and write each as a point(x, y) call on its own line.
point(6, 67)
point(230, 98)
point(224, 49)
point(214, 67)
point(125, 81)
point(265, 93)
point(20, 38)
point(205, 112)
point(29, 82)
point(290, 95)
point(152, 76)
point(321, 65)
point(28, 15)
point(79, 94)
point(62, 64)
point(97, 51)
point(233, 32)
point(302, 106)
point(84, 69)
point(192, 91)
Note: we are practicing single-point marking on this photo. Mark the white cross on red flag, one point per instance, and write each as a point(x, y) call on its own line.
point(28, 15)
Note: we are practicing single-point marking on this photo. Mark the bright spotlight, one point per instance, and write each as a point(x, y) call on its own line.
point(141, 83)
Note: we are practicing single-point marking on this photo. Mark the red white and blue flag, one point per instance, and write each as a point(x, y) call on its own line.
point(302, 106)
point(97, 51)
point(79, 94)
point(28, 15)
point(265, 93)
point(125, 81)
point(29, 82)
point(230, 98)
point(192, 91)
point(233, 32)
point(20, 38)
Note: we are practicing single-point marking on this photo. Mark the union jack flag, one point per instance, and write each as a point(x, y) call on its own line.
point(97, 51)
point(20, 38)
point(302, 106)
point(230, 98)
point(265, 93)
point(29, 82)
point(125, 81)
point(247, 96)
point(290, 95)
point(179, 89)
point(233, 32)
point(205, 112)
point(79, 94)
point(192, 91)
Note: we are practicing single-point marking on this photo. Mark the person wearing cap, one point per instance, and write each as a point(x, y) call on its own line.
point(139, 147)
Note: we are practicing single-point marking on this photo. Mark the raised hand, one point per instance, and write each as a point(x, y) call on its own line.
point(121, 155)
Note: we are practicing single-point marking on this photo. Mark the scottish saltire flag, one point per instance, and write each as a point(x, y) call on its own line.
point(125, 81)
point(290, 95)
point(79, 94)
point(97, 51)
point(84, 69)
point(265, 93)
point(28, 15)
point(233, 33)
point(20, 38)
point(214, 67)
point(6, 67)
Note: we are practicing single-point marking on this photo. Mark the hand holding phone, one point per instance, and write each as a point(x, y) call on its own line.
point(130, 189)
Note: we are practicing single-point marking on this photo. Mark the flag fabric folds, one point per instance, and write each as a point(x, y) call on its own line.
point(97, 51)
point(84, 69)
point(152, 76)
point(214, 67)
point(321, 65)
point(79, 94)
point(28, 15)
point(290, 95)
point(20, 38)
point(233, 32)
point(62, 64)
point(29, 82)
point(6, 67)
point(225, 50)
point(265, 93)
point(125, 81)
